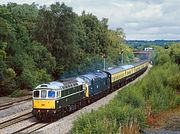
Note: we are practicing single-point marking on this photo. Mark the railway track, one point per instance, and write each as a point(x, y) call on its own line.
point(7, 123)
point(13, 103)
point(32, 128)
point(15, 120)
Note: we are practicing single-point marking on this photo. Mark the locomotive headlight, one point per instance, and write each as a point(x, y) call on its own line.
point(43, 104)
point(57, 101)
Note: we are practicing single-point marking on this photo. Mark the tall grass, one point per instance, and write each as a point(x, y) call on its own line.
point(157, 89)
point(153, 93)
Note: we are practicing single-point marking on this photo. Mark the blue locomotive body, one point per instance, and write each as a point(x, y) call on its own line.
point(97, 82)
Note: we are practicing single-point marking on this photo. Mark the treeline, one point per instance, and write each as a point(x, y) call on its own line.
point(40, 44)
point(136, 105)
point(163, 55)
point(141, 44)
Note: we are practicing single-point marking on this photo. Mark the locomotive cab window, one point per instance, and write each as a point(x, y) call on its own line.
point(43, 93)
point(36, 94)
point(51, 94)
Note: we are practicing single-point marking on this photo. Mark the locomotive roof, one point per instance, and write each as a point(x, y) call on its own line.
point(95, 75)
point(68, 81)
point(51, 85)
point(62, 84)
point(89, 76)
point(100, 74)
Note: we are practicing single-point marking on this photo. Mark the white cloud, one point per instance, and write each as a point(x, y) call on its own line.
point(152, 11)
point(140, 19)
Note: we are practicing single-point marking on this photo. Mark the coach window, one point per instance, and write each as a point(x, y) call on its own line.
point(36, 94)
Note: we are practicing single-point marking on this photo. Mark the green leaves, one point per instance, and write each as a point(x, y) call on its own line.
point(24, 63)
point(5, 29)
point(31, 78)
point(10, 73)
point(163, 55)
point(40, 42)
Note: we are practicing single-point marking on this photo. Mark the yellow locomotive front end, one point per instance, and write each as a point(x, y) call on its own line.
point(44, 103)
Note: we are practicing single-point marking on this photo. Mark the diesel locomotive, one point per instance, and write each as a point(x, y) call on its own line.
point(57, 98)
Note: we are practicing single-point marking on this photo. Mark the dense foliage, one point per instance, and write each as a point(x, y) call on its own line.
point(39, 44)
point(24, 61)
point(155, 92)
point(162, 55)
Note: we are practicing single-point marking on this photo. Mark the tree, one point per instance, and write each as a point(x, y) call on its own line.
point(23, 61)
point(175, 52)
point(39, 42)
point(56, 29)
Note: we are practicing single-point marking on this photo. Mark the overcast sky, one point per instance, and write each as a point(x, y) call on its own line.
point(140, 19)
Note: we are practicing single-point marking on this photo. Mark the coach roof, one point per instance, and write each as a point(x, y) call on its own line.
point(115, 70)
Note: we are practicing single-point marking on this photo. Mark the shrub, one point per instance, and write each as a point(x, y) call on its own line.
point(27, 79)
point(19, 93)
point(177, 100)
point(174, 82)
point(131, 96)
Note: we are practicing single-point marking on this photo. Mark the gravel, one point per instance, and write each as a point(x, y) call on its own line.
point(14, 115)
point(20, 106)
point(7, 99)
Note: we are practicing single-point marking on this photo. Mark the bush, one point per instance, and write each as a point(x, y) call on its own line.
point(27, 79)
point(107, 119)
point(162, 100)
point(19, 93)
point(174, 82)
point(31, 78)
point(131, 96)
point(177, 100)
point(10, 73)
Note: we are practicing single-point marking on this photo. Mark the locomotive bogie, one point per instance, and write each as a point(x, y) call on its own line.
point(40, 113)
